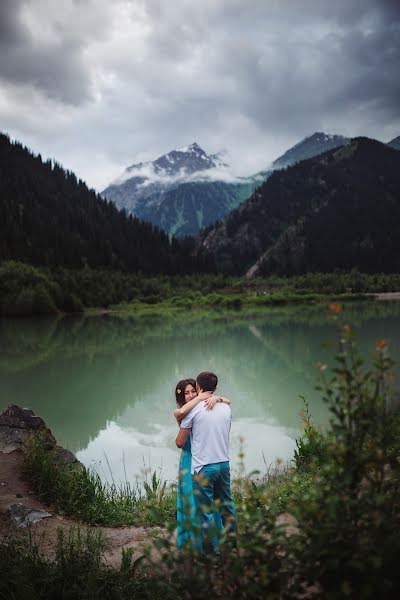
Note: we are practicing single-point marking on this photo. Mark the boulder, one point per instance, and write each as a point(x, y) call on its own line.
point(17, 425)
point(66, 457)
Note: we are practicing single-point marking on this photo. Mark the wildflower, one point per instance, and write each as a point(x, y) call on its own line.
point(380, 344)
point(335, 308)
point(347, 330)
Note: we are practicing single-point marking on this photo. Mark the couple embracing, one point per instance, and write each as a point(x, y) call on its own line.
point(205, 506)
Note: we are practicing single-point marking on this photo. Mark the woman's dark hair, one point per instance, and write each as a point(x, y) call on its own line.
point(180, 390)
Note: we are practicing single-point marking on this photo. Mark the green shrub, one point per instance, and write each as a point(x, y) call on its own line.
point(232, 302)
point(311, 448)
point(71, 303)
point(154, 299)
point(24, 291)
point(213, 299)
point(350, 514)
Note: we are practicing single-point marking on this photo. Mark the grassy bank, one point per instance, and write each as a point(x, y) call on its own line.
point(218, 302)
point(342, 494)
point(81, 493)
point(27, 290)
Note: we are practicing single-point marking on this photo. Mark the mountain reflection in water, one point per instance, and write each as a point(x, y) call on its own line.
point(104, 385)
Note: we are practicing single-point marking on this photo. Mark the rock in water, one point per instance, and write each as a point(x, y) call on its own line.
point(22, 515)
point(17, 425)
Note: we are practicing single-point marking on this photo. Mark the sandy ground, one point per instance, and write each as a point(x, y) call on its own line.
point(14, 489)
point(387, 296)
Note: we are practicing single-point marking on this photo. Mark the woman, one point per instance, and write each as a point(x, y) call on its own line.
point(186, 399)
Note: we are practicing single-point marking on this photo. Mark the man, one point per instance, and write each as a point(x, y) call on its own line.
point(210, 461)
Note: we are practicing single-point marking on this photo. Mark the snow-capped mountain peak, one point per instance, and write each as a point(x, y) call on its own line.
point(177, 163)
point(191, 149)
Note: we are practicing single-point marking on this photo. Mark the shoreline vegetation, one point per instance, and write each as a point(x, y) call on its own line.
point(325, 527)
point(28, 291)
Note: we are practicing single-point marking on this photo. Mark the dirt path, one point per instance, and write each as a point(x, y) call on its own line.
point(14, 489)
point(386, 295)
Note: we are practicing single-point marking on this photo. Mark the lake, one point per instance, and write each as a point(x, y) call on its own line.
point(105, 385)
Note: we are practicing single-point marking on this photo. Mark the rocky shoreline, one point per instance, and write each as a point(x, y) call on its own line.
point(22, 512)
point(17, 425)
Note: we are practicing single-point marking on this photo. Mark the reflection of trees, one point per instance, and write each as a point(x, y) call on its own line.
point(88, 374)
point(79, 373)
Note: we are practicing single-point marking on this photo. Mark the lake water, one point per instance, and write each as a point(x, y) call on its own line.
point(105, 385)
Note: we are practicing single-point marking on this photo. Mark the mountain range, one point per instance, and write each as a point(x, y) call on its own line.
point(340, 210)
point(182, 191)
point(186, 190)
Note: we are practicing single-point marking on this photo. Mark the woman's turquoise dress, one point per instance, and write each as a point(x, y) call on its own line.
point(188, 525)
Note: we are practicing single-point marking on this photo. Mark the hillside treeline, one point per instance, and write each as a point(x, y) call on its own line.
point(28, 290)
point(48, 217)
point(336, 211)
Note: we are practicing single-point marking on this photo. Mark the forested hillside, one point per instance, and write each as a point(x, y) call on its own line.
point(189, 207)
point(49, 217)
point(338, 210)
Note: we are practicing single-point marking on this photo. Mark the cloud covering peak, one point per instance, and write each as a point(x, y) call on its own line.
point(99, 85)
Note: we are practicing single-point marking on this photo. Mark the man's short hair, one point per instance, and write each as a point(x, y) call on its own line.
point(207, 381)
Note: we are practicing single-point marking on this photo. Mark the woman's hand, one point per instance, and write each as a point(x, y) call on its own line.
point(212, 401)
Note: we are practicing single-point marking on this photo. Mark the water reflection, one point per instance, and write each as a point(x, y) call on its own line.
point(104, 384)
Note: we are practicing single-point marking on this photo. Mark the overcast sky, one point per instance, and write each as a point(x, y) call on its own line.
point(101, 84)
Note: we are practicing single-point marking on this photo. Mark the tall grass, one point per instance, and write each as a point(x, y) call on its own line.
point(77, 572)
point(80, 492)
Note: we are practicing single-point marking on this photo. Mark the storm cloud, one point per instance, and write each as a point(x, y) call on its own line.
point(100, 85)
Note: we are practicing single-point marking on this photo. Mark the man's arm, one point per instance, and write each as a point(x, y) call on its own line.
point(182, 437)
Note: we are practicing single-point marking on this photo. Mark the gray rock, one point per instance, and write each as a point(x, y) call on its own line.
point(17, 425)
point(66, 457)
point(22, 515)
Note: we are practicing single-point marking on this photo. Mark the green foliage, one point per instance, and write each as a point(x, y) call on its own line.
point(311, 448)
point(80, 492)
point(76, 573)
point(347, 281)
point(350, 514)
point(25, 290)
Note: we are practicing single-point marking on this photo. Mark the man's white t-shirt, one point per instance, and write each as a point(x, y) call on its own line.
point(210, 434)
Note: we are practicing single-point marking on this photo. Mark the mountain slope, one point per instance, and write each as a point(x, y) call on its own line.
point(338, 210)
point(189, 207)
point(186, 189)
point(395, 143)
point(182, 191)
point(48, 217)
point(315, 144)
